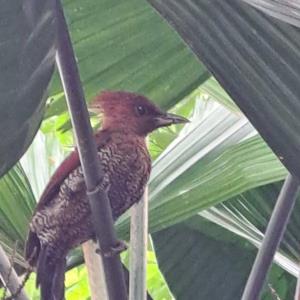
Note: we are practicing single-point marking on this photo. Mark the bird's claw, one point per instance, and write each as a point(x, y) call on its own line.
point(114, 250)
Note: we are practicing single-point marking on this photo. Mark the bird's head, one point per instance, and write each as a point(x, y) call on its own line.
point(132, 113)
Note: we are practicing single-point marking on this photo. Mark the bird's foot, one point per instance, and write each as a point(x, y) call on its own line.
point(114, 250)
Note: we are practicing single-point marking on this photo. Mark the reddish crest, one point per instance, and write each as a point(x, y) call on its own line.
point(127, 111)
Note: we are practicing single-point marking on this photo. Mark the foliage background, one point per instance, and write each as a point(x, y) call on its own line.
point(215, 181)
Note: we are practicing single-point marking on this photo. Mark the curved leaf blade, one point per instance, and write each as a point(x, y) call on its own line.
point(256, 58)
point(208, 257)
point(27, 32)
point(16, 206)
point(211, 267)
point(247, 215)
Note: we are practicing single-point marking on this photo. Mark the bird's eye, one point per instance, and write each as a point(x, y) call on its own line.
point(140, 110)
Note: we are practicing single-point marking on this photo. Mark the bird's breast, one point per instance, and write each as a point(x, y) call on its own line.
point(126, 172)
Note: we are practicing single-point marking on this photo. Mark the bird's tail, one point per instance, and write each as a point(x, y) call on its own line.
point(50, 270)
point(50, 275)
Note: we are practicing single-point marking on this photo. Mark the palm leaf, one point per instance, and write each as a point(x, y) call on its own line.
point(25, 73)
point(254, 57)
point(204, 261)
point(247, 215)
point(17, 203)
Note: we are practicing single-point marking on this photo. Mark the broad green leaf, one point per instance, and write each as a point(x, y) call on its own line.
point(247, 216)
point(27, 33)
point(210, 181)
point(17, 202)
point(198, 267)
point(204, 266)
point(124, 45)
point(256, 58)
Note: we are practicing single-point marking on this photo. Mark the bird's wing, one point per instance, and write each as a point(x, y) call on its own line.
point(32, 249)
point(70, 163)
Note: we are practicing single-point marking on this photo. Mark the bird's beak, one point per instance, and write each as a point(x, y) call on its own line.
point(168, 119)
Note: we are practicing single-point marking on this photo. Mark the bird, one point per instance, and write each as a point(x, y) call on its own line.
point(62, 218)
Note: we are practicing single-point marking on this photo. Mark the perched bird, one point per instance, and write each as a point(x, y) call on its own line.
point(62, 219)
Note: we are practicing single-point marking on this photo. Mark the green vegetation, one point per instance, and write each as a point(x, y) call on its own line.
point(214, 181)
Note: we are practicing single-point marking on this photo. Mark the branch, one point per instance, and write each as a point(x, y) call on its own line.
point(273, 236)
point(93, 174)
point(138, 249)
point(297, 292)
point(9, 276)
point(94, 267)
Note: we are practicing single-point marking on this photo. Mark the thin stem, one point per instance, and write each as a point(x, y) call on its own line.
point(138, 249)
point(297, 292)
point(273, 236)
point(100, 207)
point(94, 267)
point(9, 276)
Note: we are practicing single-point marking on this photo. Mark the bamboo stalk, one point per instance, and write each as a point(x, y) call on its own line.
point(95, 270)
point(93, 174)
point(9, 276)
point(138, 249)
point(297, 292)
point(273, 236)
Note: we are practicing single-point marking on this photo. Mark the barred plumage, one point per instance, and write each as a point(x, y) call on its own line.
point(62, 219)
